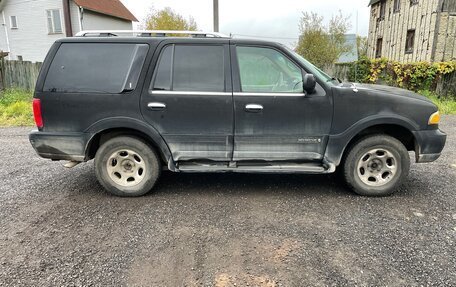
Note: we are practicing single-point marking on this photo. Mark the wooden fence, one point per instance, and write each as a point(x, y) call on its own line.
point(446, 86)
point(18, 74)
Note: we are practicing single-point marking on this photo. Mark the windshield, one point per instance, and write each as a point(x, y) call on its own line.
point(312, 68)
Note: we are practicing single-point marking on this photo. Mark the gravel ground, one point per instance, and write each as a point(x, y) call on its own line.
point(58, 227)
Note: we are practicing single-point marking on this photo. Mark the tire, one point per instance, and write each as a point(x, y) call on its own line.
point(376, 165)
point(127, 166)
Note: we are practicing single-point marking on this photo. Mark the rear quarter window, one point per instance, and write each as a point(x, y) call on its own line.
point(95, 68)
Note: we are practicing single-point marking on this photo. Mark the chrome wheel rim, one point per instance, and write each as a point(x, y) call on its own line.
point(126, 168)
point(377, 167)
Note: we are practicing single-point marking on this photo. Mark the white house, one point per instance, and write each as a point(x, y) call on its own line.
point(29, 27)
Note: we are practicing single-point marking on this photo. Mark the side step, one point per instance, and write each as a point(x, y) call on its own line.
point(270, 168)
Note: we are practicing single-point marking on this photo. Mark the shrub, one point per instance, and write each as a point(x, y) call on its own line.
point(411, 76)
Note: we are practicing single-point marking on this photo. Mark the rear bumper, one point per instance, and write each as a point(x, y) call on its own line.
point(60, 146)
point(429, 145)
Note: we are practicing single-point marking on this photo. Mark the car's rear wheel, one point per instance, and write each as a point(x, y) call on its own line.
point(376, 165)
point(127, 166)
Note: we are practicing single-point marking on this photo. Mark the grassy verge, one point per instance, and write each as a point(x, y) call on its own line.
point(16, 108)
point(446, 106)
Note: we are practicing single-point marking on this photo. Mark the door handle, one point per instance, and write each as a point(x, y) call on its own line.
point(156, 106)
point(254, 108)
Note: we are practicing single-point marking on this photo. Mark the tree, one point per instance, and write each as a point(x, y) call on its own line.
point(167, 19)
point(361, 43)
point(322, 44)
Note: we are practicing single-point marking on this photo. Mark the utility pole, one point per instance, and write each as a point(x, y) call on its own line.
point(216, 15)
point(357, 49)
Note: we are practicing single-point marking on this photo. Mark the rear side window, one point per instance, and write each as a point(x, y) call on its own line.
point(191, 68)
point(96, 68)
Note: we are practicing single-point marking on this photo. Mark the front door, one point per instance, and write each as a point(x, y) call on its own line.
point(190, 100)
point(274, 119)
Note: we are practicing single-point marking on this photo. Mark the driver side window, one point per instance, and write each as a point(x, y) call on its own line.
point(265, 70)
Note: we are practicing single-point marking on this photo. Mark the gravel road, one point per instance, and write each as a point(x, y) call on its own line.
point(58, 227)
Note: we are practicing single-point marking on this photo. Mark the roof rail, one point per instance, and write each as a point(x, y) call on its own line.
point(148, 33)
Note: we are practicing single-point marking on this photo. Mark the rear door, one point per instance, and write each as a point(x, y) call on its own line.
point(189, 99)
point(274, 119)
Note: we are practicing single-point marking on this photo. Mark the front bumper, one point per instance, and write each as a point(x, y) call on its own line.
point(60, 146)
point(429, 144)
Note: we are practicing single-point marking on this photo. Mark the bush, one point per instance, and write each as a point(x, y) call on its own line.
point(412, 76)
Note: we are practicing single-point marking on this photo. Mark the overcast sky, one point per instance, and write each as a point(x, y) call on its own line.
point(276, 19)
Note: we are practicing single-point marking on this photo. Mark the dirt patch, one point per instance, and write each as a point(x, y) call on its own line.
point(226, 280)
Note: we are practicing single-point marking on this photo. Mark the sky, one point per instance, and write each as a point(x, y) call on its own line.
point(268, 20)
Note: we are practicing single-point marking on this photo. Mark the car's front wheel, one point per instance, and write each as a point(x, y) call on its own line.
point(376, 165)
point(127, 166)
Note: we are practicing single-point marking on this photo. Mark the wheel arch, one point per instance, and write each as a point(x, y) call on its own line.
point(398, 132)
point(399, 129)
point(110, 128)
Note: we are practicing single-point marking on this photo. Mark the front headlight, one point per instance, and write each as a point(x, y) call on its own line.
point(434, 119)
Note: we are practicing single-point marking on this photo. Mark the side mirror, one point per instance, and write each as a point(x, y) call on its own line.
point(309, 83)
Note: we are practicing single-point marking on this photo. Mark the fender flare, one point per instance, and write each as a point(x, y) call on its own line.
point(133, 124)
point(338, 143)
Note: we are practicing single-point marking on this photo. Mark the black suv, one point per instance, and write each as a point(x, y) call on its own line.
point(142, 103)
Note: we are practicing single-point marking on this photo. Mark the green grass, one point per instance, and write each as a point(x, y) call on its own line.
point(446, 106)
point(16, 108)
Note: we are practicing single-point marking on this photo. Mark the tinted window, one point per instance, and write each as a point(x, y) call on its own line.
point(267, 70)
point(198, 68)
point(99, 68)
point(163, 72)
point(191, 68)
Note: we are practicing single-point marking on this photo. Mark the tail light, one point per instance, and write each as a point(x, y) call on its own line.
point(37, 113)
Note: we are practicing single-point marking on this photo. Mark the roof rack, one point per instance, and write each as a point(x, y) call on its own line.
point(148, 33)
